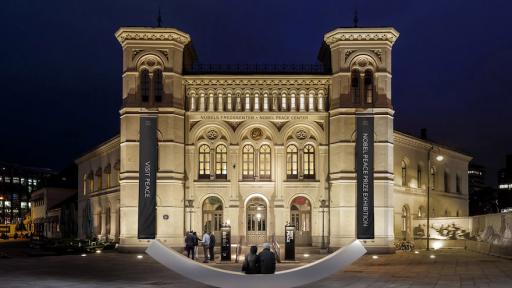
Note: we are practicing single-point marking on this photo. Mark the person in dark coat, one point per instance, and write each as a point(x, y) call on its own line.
point(196, 242)
point(212, 247)
point(267, 260)
point(189, 245)
point(251, 262)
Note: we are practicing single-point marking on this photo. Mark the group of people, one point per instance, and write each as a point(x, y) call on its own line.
point(262, 263)
point(254, 263)
point(192, 242)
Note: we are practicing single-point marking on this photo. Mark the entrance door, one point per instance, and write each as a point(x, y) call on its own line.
point(300, 217)
point(256, 221)
point(212, 216)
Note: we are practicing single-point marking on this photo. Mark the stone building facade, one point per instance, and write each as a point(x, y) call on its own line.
point(260, 150)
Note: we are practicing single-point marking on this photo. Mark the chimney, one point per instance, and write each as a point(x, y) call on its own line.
point(423, 133)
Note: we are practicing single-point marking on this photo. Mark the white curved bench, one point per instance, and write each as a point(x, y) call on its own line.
point(289, 278)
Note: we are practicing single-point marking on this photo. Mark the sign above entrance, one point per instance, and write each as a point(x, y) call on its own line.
point(364, 169)
point(256, 116)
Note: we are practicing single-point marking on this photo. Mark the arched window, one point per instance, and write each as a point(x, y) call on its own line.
point(248, 162)
point(144, 85)
point(204, 162)
point(265, 162)
point(433, 178)
point(158, 85)
point(457, 184)
point(405, 222)
point(292, 155)
point(90, 177)
point(84, 184)
point(418, 176)
point(404, 173)
point(355, 90)
point(99, 179)
point(221, 162)
point(309, 162)
point(446, 182)
point(368, 86)
point(107, 171)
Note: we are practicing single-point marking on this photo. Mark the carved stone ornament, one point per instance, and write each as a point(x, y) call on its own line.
point(301, 134)
point(212, 134)
point(348, 52)
point(256, 134)
point(377, 52)
point(130, 34)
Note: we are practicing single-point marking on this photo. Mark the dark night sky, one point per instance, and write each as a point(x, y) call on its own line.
point(60, 73)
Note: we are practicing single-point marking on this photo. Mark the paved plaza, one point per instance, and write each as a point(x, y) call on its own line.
point(449, 268)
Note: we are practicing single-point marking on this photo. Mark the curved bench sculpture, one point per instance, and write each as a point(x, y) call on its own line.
point(289, 278)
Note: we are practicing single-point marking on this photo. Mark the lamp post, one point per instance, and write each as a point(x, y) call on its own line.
point(439, 158)
point(323, 206)
point(190, 206)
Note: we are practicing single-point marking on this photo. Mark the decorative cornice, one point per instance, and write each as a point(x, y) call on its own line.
point(125, 34)
point(256, 82)
point(361, 34)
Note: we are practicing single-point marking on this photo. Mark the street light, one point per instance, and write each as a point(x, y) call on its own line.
point(438, 158)
point(190, 206)
point(323, 205)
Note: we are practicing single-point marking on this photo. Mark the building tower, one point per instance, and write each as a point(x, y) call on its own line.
point(153, 61)
point(360, 59)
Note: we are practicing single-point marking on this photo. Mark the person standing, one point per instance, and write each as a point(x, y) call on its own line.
point(251, 263)
point(267, 260)
point(196, 243)
point(212, 246)
point(206, 245)
point(189, 245)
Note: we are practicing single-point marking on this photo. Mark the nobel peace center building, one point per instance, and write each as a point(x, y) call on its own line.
point(257, 147)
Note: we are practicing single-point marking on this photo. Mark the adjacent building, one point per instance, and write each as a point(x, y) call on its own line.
point(16, 185)
point(54, 212)
point(262, 146)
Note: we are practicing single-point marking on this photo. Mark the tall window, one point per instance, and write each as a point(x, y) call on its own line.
point(99, 178)
point(91, 182)
point(221, 162)
point(368, 86)
point(158, 85)
point(433, 178)
point(248, 162)
point(85, 184)
point(404, 173)
point(144, 85)
point(292, 155)
point(457, 184)
point(419, 176)
point(354, 87)
point(446, 182)
point(309, 162)
point(265, 162)
point(204, 162)
point(107, 172)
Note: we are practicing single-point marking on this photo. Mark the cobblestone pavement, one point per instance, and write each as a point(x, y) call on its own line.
point(449, 268)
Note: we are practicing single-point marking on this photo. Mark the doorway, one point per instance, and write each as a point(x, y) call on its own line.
point(256, 221)
point(300, 217)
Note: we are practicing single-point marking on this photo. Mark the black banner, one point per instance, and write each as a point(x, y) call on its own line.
point(364, 170)
point(147, 177)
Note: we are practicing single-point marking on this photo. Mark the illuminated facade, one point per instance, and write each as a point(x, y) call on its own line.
point(259, 150)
